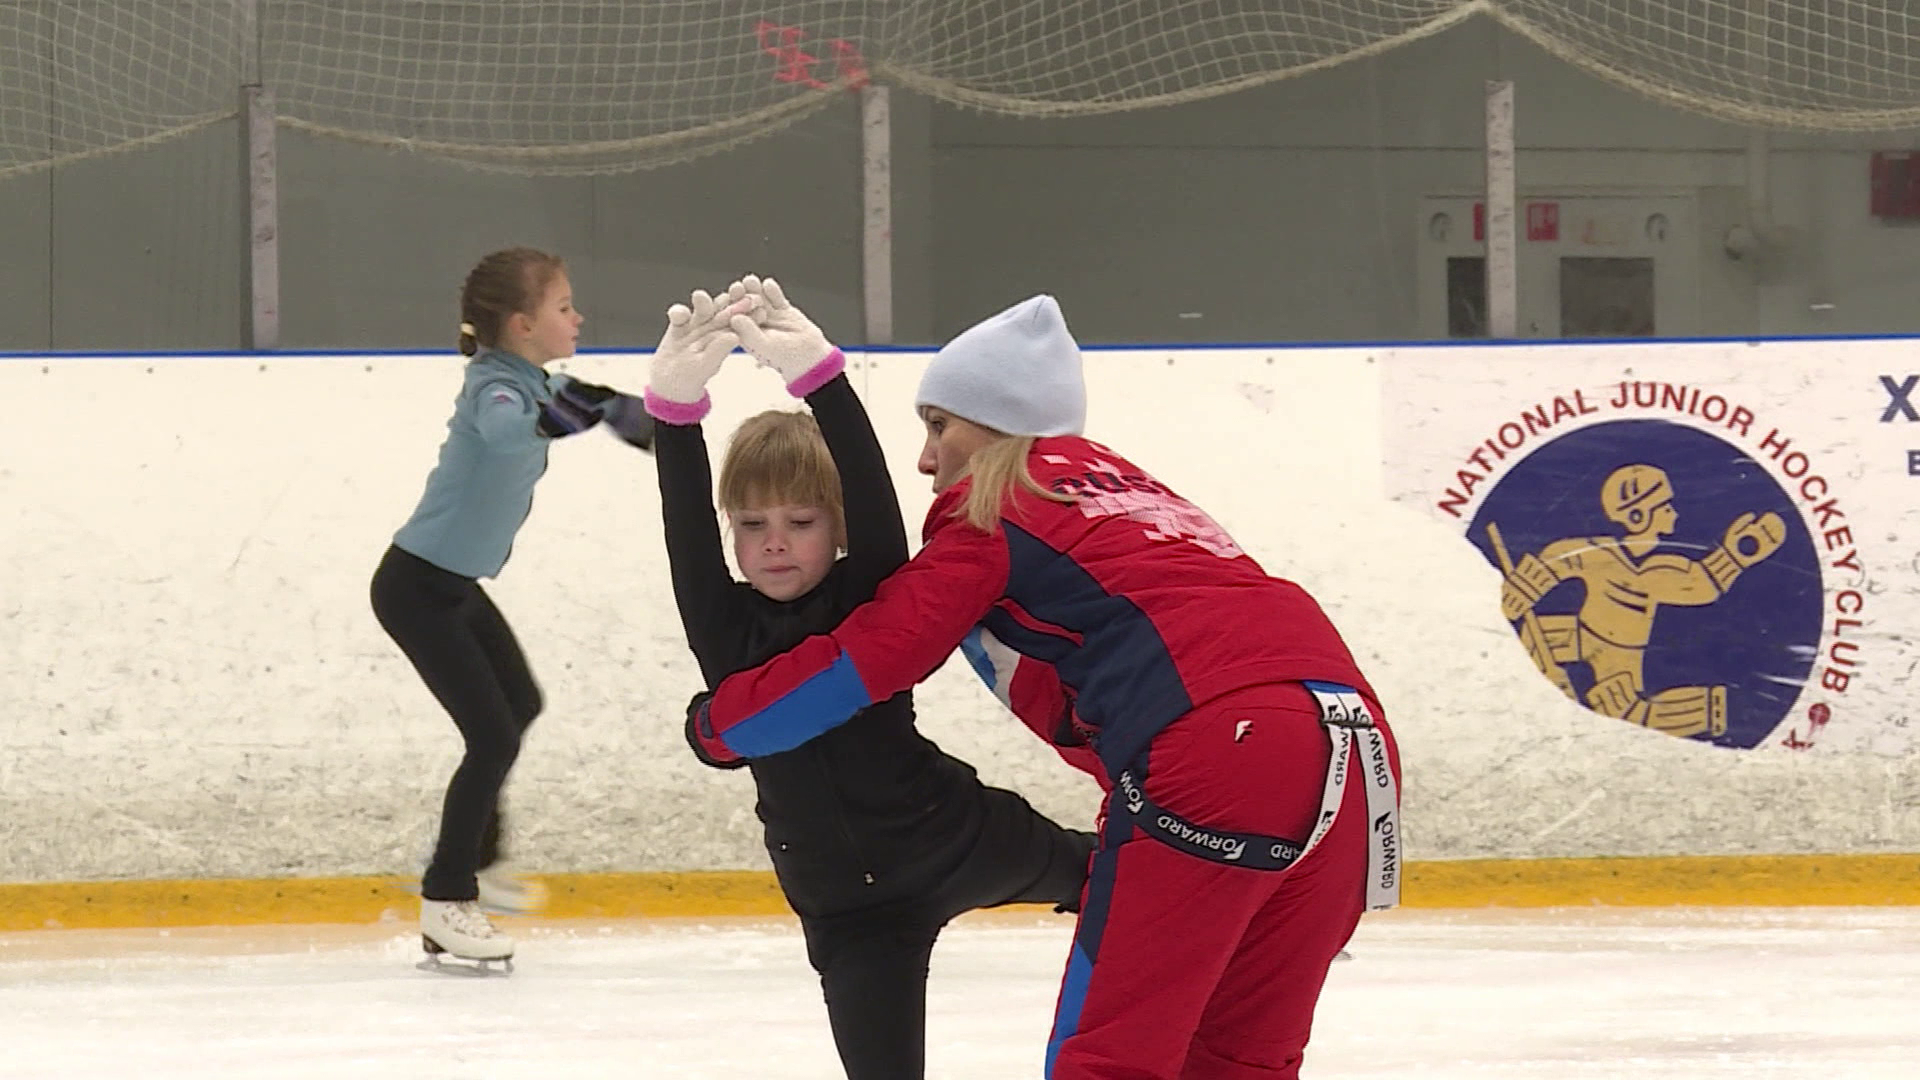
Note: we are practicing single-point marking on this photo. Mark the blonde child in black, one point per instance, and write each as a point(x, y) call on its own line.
point(877, 837)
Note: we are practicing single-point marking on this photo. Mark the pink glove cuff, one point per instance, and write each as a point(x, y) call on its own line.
point(678, 413)
point(819, 374)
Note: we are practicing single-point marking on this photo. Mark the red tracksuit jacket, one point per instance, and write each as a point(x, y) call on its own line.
point(1099, 621)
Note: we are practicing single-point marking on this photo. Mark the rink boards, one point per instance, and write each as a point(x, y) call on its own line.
point(196, 691)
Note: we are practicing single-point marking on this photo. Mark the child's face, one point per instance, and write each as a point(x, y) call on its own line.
point(784, 550)
point(551, 331)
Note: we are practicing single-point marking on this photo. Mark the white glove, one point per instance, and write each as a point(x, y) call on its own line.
point(697, 340)
point(780, 336)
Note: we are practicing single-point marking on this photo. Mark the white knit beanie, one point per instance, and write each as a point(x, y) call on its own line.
point(1017, 372)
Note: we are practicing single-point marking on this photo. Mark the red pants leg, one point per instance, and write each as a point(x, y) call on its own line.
point(1156, 931)
point(1256, 1025)
point(1167, 937)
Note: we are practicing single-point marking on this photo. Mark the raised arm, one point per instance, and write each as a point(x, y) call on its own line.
point(876, 537)
point(702, 585)
point(696, 342)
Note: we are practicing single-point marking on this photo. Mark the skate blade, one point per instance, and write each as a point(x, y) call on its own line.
point(441, 962)
point(470, 969)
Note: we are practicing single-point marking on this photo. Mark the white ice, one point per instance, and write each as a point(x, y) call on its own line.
point(1821, 994)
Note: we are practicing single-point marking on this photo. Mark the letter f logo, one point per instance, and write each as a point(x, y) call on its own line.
point(1240, 729)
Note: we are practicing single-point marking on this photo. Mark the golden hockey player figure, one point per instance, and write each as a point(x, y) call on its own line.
point(1626, 582)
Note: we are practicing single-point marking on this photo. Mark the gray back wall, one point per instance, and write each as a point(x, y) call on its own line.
point(1289, 212)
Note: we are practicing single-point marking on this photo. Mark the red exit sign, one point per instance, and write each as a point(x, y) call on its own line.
point(1543, 221)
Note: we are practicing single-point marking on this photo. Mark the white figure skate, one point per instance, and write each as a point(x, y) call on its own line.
point(460, 930)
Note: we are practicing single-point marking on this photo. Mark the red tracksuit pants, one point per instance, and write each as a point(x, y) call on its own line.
point(1185, 968)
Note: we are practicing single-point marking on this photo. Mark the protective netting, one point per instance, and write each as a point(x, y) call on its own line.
point(584, 86)
point(79, 78)
point(1820, 64)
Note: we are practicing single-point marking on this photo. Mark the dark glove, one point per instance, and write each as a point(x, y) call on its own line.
point(588, 395)
point(576, 406)
point(628, 418)
point(707, 746)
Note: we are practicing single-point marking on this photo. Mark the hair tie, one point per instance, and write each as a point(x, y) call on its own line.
point(467, 329)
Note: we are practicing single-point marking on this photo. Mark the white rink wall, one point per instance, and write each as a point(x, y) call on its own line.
point(193, 684)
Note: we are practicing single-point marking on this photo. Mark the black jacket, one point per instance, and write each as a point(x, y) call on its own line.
point(871, 812)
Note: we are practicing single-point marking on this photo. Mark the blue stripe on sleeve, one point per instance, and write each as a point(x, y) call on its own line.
point(816, 706)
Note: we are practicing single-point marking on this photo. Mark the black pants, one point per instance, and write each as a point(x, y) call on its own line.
point(873, 962)
point(468, 657)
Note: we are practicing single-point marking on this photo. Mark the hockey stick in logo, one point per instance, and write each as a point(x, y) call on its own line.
point(1531, 635)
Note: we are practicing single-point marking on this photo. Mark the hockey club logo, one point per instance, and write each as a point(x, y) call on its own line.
point(1666, 565)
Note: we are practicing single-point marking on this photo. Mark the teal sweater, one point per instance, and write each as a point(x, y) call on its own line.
point(482, 488)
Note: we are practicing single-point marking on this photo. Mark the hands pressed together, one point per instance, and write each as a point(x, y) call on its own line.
point(752, 313)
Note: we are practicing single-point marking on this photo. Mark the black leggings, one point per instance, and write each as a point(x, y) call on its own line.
point(468, 657)
point(873, 962)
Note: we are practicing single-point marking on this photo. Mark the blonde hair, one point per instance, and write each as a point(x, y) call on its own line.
point(777, 458)
point(999, 472)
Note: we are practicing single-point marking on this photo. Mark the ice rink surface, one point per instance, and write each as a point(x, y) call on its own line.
point(1581, 994)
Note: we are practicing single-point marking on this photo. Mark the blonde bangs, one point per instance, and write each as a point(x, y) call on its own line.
point(778, 458)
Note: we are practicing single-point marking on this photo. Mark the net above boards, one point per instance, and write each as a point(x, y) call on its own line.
point(590, 86)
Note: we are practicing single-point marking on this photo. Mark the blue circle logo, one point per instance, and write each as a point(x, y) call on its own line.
point(1658, 575)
